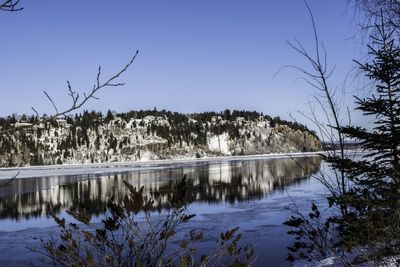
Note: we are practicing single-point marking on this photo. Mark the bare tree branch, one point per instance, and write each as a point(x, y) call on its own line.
point(76, 104)
point(34, 110)
point(326, 100)
point(10, 5)
point(51, 100)
point(9, 181)
point(76, 101)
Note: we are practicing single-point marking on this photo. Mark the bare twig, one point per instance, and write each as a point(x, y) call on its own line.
point(9, 181)
point(76, 101)
point(10, 5)
point(51, 100)
point(373, 11)
point(34, 110)
point(76, 104)
point(325, 97)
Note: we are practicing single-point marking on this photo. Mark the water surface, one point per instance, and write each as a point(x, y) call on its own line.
point(251, 194)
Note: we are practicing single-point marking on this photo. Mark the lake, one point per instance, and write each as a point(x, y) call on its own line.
point(253, 194)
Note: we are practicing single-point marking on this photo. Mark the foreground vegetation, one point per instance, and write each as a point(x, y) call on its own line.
point(362, 224)
point(134, 233)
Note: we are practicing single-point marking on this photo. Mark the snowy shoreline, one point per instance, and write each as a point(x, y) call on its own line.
point(99, 168)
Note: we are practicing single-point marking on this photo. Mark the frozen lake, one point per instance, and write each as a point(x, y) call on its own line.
point(252, 193)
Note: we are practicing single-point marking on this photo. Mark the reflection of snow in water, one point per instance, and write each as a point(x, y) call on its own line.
point(215, 182)
point(104, 168)
point(228, 194)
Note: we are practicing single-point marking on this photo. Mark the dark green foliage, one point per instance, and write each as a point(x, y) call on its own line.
point(367, 228)
point(313, 236)
point(109, 116)
point(373, 202)
point(182, 126)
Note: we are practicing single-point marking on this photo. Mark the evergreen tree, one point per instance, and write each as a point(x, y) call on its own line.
point(367, 228)
point(373, 201)
point(109, 116)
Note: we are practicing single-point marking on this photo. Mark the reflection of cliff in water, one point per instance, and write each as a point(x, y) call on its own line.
point(207, 182)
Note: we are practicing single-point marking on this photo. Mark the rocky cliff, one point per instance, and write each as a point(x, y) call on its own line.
point(146, 135)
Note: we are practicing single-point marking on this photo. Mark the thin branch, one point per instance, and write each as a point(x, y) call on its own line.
point(34, 110)
point(51, 101)
point(76, 104)
point(325, 98)
point(9, 181)
point(10, 5)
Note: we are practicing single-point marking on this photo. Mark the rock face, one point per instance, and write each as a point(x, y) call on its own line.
point(147, 135)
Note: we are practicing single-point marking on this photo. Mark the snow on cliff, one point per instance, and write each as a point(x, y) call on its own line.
point(94, 139)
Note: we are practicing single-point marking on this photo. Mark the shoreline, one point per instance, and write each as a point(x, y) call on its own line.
point(113, 167)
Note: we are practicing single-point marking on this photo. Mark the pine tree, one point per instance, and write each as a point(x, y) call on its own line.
point(368, 224)
point(109, 116)
point(373, 201)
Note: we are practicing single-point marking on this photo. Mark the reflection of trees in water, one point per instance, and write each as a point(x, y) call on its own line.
point(212, 183)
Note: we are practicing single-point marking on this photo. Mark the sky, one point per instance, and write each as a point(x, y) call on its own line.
point(193, 56)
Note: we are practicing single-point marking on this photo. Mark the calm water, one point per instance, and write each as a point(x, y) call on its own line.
point(251, 194)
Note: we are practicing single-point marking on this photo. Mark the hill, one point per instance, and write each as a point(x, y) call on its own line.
point(92, 137)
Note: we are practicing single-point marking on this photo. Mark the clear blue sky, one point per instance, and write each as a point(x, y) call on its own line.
point(194, 55)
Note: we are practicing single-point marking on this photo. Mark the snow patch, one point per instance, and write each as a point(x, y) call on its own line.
point(219, 143)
